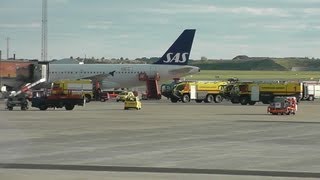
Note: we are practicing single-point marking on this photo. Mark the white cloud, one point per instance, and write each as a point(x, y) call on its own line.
point(311, 11)
point(283, 26)
point(235, 37)
point(123, 36)
point(30, 25)
point(191, 8)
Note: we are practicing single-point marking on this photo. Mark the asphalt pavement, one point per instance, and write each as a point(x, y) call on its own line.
point(163, 140)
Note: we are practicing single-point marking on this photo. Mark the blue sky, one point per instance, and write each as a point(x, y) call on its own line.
point(146, 28)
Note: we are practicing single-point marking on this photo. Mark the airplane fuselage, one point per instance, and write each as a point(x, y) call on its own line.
point(118, 75)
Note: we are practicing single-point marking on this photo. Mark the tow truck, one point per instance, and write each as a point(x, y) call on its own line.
point(20, 98)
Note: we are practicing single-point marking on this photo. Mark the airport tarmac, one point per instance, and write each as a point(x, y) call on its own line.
point(161, 141)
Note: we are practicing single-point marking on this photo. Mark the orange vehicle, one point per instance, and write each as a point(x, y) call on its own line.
point(283, 105)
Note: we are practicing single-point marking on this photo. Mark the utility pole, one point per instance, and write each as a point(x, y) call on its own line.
point(44, 42)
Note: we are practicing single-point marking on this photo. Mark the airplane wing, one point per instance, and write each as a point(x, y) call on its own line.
point(101, 77)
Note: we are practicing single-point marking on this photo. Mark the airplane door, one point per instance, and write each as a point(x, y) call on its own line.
point(255, 93)
point(40, 71)
point(44, 72)
point(153, 71)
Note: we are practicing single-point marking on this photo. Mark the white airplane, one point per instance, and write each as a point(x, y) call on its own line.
point(173, 64)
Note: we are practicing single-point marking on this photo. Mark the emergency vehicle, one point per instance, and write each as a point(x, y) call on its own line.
point(59, 96)
point(311, 90)
point(252, 92)
point(132, 102)
point(81, 87)
point(283, 105)
point(207, 91)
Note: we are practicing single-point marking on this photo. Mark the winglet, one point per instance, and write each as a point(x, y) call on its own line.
point(179, 52)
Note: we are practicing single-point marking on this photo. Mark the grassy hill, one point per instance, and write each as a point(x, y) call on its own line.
point(255, 75)
point(240, 62)
point(258, 63)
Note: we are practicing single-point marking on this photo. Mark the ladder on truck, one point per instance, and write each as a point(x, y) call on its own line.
point(28, 86)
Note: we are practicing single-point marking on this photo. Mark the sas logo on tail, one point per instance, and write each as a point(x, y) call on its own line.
point(177, 58)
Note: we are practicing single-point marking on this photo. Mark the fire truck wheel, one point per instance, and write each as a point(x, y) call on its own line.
point(209, 98)
point(311, 98)
point(185, 98)
point(43, 107)
point(69, 107)
point(218, 98)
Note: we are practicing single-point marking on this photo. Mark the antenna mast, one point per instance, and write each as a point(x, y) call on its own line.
point(44, 37)
point(8, 39)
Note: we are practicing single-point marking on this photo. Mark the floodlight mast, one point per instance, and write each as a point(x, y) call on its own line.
point(44, 42)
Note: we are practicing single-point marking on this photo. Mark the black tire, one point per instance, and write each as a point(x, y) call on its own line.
point(244, 100)
point(69, 107)
point(185, 98)
point(10, 108)
point(43, 107)
point(218, 98)
point(311, 98)
point(209, 98)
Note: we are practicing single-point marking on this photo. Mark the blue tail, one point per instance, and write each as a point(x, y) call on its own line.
point(179, 52)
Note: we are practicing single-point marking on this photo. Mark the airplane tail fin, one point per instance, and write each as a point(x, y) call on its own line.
point(179, 52)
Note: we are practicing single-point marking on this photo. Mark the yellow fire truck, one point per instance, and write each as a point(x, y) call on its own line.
point(207, 91)
point(76, 87)
point(252, 92)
